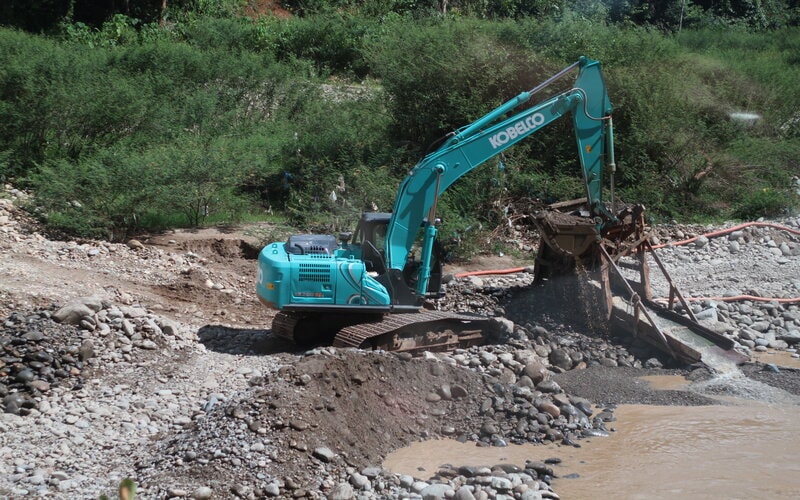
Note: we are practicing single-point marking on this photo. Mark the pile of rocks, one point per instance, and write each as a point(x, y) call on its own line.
point(555, 331)
point(35, 355)
point(759, 261)
point(52, 347)
point(531, 482)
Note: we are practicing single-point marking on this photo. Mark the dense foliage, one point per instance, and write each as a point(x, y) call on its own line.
point(184, 113)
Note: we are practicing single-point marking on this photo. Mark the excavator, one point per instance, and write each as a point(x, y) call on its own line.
point(369, 288)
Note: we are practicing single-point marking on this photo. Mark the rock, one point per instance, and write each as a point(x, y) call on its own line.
point(406, 481)
point(168, 327)
point(12, 403)
point(487, 358)
point(475, 281)
point(298, 425)
point(39, 385)
point(436, 491)
point(735, 235)
point(501, 484)
point(432, 397)
point(272, 490)
point(202, 493)
point(549, 386)
point(372, 472)
point(359, 481)
point(133, 312)
point(790, 338)
point(25, 375)
point(760, 326)
point(458, 391)
point(561, 359)
point(148, 345)
point(653, 363)
point(464, 493)
point(488, 428)
point(549, 408)
point(86, 351)
point(503, 326)
point(128, 328)
point(709, 314)
point(536, 370)
point(418, 486)
point(342, 491)
point(72, 313)
point(325, 454)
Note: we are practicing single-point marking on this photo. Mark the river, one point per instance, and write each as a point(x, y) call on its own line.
point(745, 449)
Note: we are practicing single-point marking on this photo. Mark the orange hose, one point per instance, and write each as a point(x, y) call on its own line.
point(726, 231)
point(491, 271)
point(737, 297)
point(711, 234)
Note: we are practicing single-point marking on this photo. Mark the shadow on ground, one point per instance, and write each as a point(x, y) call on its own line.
point(245, 341)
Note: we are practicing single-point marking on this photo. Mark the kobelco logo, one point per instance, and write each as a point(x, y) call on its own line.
point(525, 125)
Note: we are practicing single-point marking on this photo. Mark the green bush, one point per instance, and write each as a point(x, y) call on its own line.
point(333, 42)
point(765, 202)
point(133, 126)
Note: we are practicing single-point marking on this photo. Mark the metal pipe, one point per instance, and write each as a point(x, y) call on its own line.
point(555, 77)
point(612, 163)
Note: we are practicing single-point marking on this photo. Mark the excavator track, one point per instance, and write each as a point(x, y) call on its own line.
point(413, 332)
point(284, 325)
point(408, 332)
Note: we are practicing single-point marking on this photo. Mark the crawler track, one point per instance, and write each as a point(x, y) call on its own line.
point(408, 332)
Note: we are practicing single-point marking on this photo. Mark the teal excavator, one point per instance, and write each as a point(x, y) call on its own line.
point(368, 288)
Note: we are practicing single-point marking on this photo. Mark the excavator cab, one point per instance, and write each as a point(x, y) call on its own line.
point(370, 236)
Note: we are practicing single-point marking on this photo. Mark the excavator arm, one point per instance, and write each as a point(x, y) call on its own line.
point(489, 136)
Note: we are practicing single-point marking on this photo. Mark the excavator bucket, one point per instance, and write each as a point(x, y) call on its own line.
point(573, 242)
point(571, 236)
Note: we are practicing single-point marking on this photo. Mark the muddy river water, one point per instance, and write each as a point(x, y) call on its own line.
point(745, 449)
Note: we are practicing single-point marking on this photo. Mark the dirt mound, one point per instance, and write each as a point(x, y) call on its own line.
point(359, 405)
point(334, 409)
point(222, 248)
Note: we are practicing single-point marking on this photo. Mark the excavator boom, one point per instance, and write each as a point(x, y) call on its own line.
point(492, 134)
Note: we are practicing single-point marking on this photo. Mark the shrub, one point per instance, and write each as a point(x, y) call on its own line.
point(764, 202)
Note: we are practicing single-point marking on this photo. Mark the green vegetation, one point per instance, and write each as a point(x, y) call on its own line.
point(127, 490)
point(146, 119)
